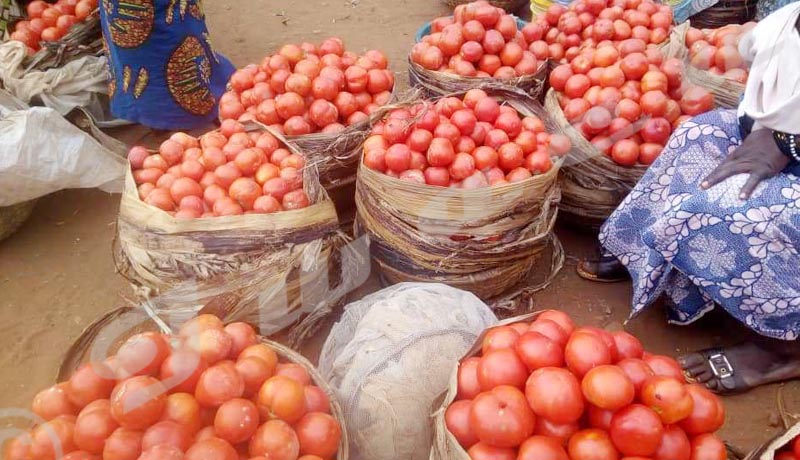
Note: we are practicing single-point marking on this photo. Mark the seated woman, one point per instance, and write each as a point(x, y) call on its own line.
point(730, 238)
point(164, 73)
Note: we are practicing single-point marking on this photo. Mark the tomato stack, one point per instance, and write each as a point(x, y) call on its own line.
point(790, 451)
point(480, 40)
point(223, 173)
point(717, 50)
point(469, 142)
point(213, 392)
point(562, 33)
point(549, 390)
point(306, 89)
point(49, 22)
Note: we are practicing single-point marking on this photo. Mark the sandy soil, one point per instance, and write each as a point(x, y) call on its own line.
point(57, 272)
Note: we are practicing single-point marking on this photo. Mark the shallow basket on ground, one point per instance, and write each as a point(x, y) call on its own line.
point(488, 241)
point(272, 268)
point(110, 330)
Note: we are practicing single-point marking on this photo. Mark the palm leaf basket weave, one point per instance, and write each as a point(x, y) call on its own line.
point(726, 12)
point(12, 217)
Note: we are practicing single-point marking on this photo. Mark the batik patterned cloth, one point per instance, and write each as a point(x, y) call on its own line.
point(164, 71)
point(702, 248)
point(767, 7)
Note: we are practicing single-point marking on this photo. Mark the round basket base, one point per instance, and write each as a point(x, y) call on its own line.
point(12, 217)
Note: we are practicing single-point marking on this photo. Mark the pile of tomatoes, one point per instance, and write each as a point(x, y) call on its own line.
point(717, 50)
point(547, 390)
point(790, 451)
point(468, 143)
point(562, 33)
point(223, 173)
point(480, 40)
point(213, 392)
point(306, 89)
point(49, 22)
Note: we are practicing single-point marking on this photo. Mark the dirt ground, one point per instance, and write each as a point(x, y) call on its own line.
point(57, 272)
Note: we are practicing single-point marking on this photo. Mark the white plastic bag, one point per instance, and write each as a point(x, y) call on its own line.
point(41, 152)
point(390, 356)
point(78, 83)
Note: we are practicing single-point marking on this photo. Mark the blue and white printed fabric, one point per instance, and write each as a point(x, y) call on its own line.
point(703, 248)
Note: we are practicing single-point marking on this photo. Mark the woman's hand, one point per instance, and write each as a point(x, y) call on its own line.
point(758, 156)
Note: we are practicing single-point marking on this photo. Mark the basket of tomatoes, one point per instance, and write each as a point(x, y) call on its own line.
point(537, 387)
point(463, 191)
point(235, 216)
point(785, 446)
point(322, 97)
point(715, 62)
point(507, 5)
point(618, 99)
point(209, 391)
point(55, 33)
point(480, 46)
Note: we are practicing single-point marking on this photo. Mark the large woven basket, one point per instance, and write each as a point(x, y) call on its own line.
point(508, 5)
point(725, 12)
point(12, 217)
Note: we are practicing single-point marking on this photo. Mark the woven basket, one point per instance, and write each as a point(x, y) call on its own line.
point(508, 5)
point(126, 321)
point(12, 217)
point(725, 12)
point(489, 241)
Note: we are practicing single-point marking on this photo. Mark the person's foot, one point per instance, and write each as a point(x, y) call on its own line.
point(605, 269)
point(742, 367)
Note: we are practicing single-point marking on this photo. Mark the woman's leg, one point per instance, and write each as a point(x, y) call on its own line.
point(744, 366)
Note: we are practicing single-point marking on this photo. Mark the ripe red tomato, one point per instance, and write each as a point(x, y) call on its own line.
point(636, 431)
point(628, 346)
point(498, 338)
point(538, 351)
point(541, 448)
point(483, 451)
point(218, 384)
point(634, 66)
point(90, 382)
point(501, 417)
point(236, 420)
point(555, 394)
point(708, 447)
point(625, 152)
point(708, 414)
point(656, 130)
point(468, 385)
point(93, 426)
point(668, 398)
point(215, 448)
point(123, 444)
point(456, 419)
point(169, 433)
point(551, 330)
point(648, 153)
point(52, 402)
point(560, 318)
point(561, 432)
point(665, 366)
point(275, 439)
point(607, 387)
point(585, 351)
point(318, 434)
point(599, 418)
point(592, 444)
point(637, 371)
point(674, 445)
point(138, 402)
point(696, 100)
point(501, 367)
point(577, 85)
point(282, 398)
point(50, 437)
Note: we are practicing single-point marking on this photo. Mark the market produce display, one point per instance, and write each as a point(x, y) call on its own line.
point(469, 142)
point(304, 89)
point(223, 173)
point(562, 33)
point(480, 40)
point(211, 392)
point(547, 389)
point(717, 50)
point(48, 22)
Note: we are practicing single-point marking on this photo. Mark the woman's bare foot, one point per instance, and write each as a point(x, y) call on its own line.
point(744, 366)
